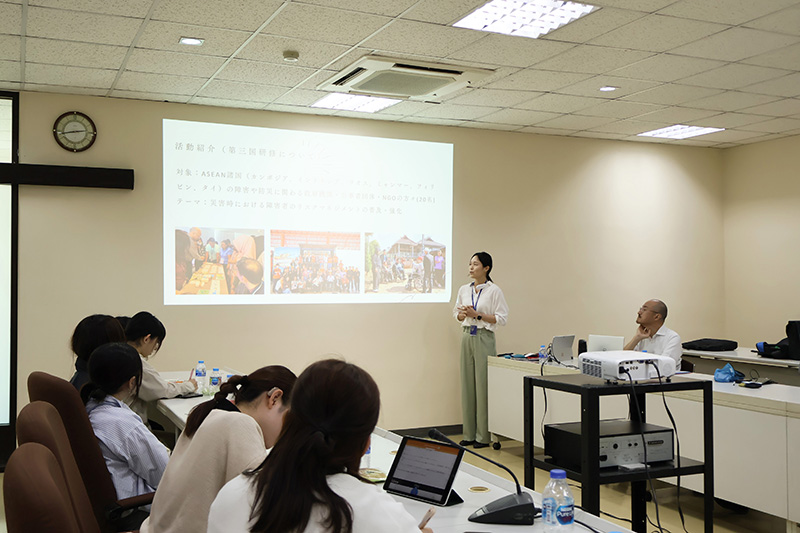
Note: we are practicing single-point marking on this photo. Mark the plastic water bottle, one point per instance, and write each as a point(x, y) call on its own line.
point(215, 380)
point(542, 353)
point(200, 377)
point(366, 461)
point(558, 505)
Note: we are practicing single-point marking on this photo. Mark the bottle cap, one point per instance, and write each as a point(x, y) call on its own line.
point(201, 362)
point(216, 369)
point(558, 474)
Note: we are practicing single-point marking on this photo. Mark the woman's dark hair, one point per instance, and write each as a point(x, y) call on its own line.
point(123, 321)
point(110, 367)
point(486, 260)
point(143, 324)
point(333, 411)
point(245, 389)
point(94, 331)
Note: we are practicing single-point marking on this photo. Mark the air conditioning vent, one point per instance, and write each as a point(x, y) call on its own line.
point(383, 76)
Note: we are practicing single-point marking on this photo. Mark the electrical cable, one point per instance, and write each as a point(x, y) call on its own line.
point(587, 526)
point(644, 450)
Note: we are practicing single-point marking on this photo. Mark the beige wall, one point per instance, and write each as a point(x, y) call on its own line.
point(762, 239)
point(582, 232)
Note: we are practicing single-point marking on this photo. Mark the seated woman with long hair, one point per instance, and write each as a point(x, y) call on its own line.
point(91, 332)
point(309, 482)
point(221, 440)
point(135, 458)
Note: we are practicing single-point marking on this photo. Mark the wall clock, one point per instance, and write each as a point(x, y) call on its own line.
point(74, 131)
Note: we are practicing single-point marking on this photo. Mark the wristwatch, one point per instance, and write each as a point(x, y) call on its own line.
point(479, 317)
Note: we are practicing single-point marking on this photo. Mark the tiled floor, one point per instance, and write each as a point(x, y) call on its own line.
point(615, 499)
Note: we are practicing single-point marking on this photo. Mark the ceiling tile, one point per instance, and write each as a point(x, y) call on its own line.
point(538, 80)
point(786, 21)
point(619, 109)
point(285, 108)
point(235, 90)
point(591, 87)
point(456, 112)
point(90, 91)
point(125, 8)
point(158, 83)
point(593, 25)
point(300, 97)
point(733, 76)
point(10, 19)
point(165, 36)
point(319, 77)
point(9, 85)
point(224, 102)
point(10, 47)
point(666, 67)
point(376, 7)
point(81, 27)
point(9, 71)
point(408, 107)
point(490, 126)
point(546, 131)
point(678, 115)
point(776, 125)
point(732, 136)
point(434, 121)
point(657, 33)
point(735, 44)
point(163, 62)
point(521, 117)
point(630, 127)
point(728, 120)
point(784, 86)
point(733, 12)
point(592, 59)
point(575, 122)
point(74, 54)
point(490, 97)
point(559, 103)
point(730, 101)
point(69, 76)
point(443, 11)
point(411, 37)
point(313, 54)
point(245, 15)
point(264, 73)
point(788, 58)
point(509, 51)
point(780, 108)
point(671, 94)
point(649, 6)
point(304, 21)
point(159, 97)
point(599, 135)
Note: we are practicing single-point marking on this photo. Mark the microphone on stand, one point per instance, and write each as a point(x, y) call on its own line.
point(517, 509)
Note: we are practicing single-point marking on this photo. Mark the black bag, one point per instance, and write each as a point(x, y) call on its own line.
point(793, 338)
point(788, 348)
point(711, 345)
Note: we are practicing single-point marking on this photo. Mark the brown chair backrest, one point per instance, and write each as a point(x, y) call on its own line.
point(35, 494)
point(40, 422)
point(85, 448)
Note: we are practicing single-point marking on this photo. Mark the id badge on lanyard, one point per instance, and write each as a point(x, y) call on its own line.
point(473, 330)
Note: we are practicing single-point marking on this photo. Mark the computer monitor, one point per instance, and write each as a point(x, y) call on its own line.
point(562, 347)
point(605, 343)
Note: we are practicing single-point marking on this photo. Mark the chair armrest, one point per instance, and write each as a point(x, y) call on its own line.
point(114, 512)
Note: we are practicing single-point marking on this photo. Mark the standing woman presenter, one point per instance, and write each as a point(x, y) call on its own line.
point(480, 307)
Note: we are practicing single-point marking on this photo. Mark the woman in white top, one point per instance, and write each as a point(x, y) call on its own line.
point(221, 440)
point(480, 307)
point(309, 482)
point(146, 333)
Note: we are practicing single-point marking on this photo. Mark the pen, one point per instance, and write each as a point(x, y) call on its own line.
point(428, 515)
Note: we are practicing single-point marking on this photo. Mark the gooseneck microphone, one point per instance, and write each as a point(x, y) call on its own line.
point(512, 509)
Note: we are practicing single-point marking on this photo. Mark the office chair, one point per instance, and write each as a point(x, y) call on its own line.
point(35, 494)
point(108, 510)
point(687, 366)
point(40, 422)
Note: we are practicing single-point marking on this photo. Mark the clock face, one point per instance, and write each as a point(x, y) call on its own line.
point(74, 131)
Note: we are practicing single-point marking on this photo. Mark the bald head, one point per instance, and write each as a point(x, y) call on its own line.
point(652, 313)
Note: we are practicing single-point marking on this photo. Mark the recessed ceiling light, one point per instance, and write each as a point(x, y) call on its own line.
point(191, 41)
point(679, 131)
point(354, 102)
point(608, 88)
point(524, 18)
point(291, 56)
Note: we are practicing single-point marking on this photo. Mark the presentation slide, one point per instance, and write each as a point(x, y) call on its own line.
point(5, 306)
point(266, 216)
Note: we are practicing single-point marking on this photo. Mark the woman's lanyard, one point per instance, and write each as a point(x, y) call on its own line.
point(473, 330)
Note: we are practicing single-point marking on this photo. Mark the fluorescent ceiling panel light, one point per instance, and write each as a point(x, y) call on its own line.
point(354, 102)
point(608, 88)
point(191, 41)
point(679, 131)
point(524, 18)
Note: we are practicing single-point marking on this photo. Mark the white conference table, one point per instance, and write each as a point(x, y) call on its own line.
point(745, 360)
point(447, 519)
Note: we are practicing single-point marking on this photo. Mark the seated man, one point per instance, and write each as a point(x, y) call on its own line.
point(251, 277)
point(653, 336)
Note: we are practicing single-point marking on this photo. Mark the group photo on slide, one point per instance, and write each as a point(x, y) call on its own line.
point(211, 261)
point(315, 262)
point(398, 264)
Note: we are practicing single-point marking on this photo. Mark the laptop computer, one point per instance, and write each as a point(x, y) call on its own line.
point(562, 347)
point(605, 343)
point(425, 470)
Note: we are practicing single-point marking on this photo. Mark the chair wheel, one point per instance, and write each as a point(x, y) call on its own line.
point(495, 445)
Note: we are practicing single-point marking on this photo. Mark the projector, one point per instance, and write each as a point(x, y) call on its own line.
point(612, 366)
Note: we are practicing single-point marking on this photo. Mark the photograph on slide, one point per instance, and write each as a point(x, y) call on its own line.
point(398, 264)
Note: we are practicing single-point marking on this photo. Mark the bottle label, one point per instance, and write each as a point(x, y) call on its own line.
point(200, 373)
point(565, 514)
point(214, 381)
point(548, 511)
